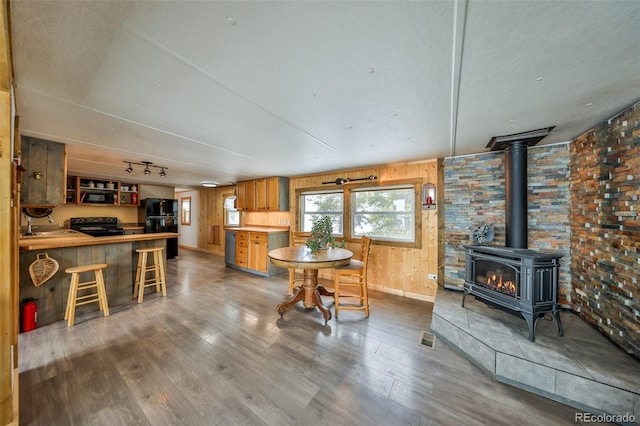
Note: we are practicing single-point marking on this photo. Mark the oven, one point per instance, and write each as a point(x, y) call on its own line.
point(96, 226)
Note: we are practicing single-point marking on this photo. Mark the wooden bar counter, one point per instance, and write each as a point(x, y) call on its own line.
point(118, 252)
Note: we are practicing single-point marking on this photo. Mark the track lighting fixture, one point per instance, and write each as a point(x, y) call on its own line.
point(146, 170)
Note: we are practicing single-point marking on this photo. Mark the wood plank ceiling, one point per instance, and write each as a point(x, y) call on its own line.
point(226, 91)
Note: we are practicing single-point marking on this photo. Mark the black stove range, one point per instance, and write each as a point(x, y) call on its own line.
point(96, 226)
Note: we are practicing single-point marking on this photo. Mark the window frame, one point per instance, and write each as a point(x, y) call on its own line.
point(301, 211)
point(226, 211)
point(352, 216)
point(347, 190)
point(185, 212)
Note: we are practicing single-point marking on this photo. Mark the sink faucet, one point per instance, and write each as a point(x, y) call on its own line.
point(50, 218)
point(29, 226)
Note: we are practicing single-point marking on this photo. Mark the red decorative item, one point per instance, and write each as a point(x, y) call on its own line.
point(134, 198)
point(29, 314)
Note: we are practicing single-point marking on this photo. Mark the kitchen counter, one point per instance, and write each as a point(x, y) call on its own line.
point(35, 243)
point(132, 227)
point(256, 228)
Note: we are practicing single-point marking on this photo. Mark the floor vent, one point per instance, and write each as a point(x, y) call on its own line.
point(428, 340)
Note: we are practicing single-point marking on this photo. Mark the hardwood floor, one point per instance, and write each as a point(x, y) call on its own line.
point(216, 352)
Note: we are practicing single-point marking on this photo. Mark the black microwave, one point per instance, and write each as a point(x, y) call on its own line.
point(98, 198)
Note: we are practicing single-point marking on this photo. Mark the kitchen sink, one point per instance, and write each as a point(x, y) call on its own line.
point(55, 233)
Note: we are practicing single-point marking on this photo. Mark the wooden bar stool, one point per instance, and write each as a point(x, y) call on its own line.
point(157, 267)
point(76, 287)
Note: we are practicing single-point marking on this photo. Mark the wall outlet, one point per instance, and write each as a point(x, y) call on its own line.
point(432, 276)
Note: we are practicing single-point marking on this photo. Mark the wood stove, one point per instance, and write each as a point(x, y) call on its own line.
point(514, 278)
point(521, 281)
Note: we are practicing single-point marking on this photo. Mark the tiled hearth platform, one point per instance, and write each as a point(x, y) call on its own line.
point(582, 369)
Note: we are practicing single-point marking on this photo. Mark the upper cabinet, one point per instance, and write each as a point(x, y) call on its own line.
point(43, 183)
point(245, 195)
point(100, 192)
point(263, 195)
point(129, 194)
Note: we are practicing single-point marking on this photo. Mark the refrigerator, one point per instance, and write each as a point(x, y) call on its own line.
point(161, 215)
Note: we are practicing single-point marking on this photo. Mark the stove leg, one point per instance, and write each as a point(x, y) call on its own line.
point(557, 315)
point(531, 323)
point(464, 296)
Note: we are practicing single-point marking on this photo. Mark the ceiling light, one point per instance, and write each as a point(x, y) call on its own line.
point(209, 183)
point(147, 167)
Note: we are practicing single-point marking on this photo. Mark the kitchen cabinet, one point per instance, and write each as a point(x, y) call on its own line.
point(99, 192)
point(43, 184)
point(258, 242)
point(245, 196)
point(248, 250)
point(242, 249)
point(263, 195)
point(93, 191)
point(277, 194)
point(134, 231)
point(129, 195)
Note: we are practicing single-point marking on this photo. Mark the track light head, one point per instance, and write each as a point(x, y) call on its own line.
point(162, 173)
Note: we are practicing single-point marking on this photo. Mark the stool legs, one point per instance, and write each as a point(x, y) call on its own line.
point(158, 280)
point(141, 274)
point(159, 261)
point(74, 299)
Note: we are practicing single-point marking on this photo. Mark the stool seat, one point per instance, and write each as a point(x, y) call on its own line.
point(85, 268)
point(158, 279)
point(76, 287)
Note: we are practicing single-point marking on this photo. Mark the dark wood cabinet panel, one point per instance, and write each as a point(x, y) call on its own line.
point(43, 183)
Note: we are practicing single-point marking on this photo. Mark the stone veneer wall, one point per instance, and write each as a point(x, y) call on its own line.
point(474, 194)
point(605, 193)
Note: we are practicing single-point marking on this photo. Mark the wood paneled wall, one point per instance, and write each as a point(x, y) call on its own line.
point(211, 219)
point(397, 270)
point(9, 205)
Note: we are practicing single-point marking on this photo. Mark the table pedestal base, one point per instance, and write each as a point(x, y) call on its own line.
point(309, 293)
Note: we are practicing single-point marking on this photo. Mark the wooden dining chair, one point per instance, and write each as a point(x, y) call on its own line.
point(353, 277)
point(296, 239)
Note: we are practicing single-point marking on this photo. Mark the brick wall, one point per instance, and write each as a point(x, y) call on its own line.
point(474, 194)
point(605, 228)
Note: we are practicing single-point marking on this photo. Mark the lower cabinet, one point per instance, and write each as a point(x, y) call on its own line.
point(248, 251)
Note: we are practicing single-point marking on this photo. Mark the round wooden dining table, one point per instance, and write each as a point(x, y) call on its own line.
point(301, 257)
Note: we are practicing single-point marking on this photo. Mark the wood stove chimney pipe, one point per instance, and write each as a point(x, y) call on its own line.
point(515, 147)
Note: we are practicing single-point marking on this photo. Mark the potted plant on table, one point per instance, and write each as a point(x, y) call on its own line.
point(321, 237)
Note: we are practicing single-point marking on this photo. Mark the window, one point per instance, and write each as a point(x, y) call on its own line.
point(314, 205)
point(231, 214)
point(185, 207)
point(384, 213)
point(389, 213)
